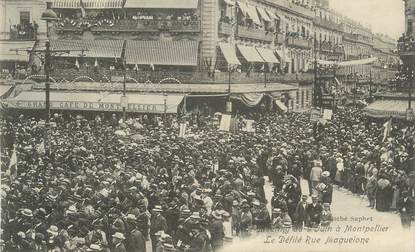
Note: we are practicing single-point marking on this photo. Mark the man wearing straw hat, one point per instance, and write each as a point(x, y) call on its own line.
point(118, 241)
point(158, 223)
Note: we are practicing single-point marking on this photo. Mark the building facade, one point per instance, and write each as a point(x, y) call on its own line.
point(196, 42)
point(20, 19)
point(328, 30)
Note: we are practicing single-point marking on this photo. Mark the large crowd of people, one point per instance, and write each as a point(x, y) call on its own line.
point(111, 186)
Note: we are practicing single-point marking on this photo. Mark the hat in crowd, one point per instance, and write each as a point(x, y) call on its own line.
point(286, 224)
point(314, 197)
point(325, 174)
point(119, 235)
point(27, 212)
point(131, 217)
point(256, 203)
point(157, 208)
point(186, 211)
point(168, 247)
point(216, 215)
point(94, 247)
point(326, 204)
point(160, 233)
point(235, 203)
point(276, 210)
point(195, 215)
point(71, 210)
point(53, 230)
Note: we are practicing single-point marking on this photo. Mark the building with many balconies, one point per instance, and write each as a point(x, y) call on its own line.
point(328, 30)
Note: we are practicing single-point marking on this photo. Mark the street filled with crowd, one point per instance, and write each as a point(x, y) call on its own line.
point(109, 185)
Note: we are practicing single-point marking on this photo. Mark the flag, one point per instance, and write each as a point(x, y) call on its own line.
point(82, 9)
point(12, 172)
point(387, 130)
point(77, 63)
point(41, 148)
point(182, 132)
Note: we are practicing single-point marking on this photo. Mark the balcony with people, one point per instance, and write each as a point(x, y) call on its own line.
point(25, 31)
point(406, 45)
point(226, 25)
point(255, 23)
point(129, 20)
point(299, 40)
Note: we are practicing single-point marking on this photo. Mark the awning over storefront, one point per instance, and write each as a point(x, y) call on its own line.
point(250, 53)
point(93, 48)
point(8, 55)
point(263, 14)
point(229, 52)
point(94, 101)
point(387, 108)
point(102, 4)
point(268, 55)
point(175, 53)
point(272, 15)
point(281, 106)
point(161, 4)
point(249, 99)
point(66, 4)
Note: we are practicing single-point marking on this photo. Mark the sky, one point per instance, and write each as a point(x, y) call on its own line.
point(382, 16)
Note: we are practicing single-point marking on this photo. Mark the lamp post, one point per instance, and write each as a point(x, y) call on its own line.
point(124, 99)
point(265, 77)
point(228, 107)
point(409, 110)
point(49, 16)
point(165, 106)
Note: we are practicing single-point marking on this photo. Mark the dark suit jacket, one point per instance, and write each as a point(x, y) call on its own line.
point(408, 206)
point(119, 248)
point(314, 212)
point(136, 242)
point(300, 212)
point(158, 223)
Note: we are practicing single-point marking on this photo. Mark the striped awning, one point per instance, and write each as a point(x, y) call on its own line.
point(161, 4)
point(95, 101)
point(253, 14)
point(8, 55)
point(103, 4)
point(250, 11)
point(272, 15)
point(387, 108)
point(229, 52)
point(174, 53)
point(263, 14)
point(66, 4)
point(93, 48)
point(250, 54)
point(268, 55)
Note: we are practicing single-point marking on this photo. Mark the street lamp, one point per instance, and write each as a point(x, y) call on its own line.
point(49, 16)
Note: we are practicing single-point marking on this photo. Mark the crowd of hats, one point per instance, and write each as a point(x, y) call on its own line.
point(95, 176)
